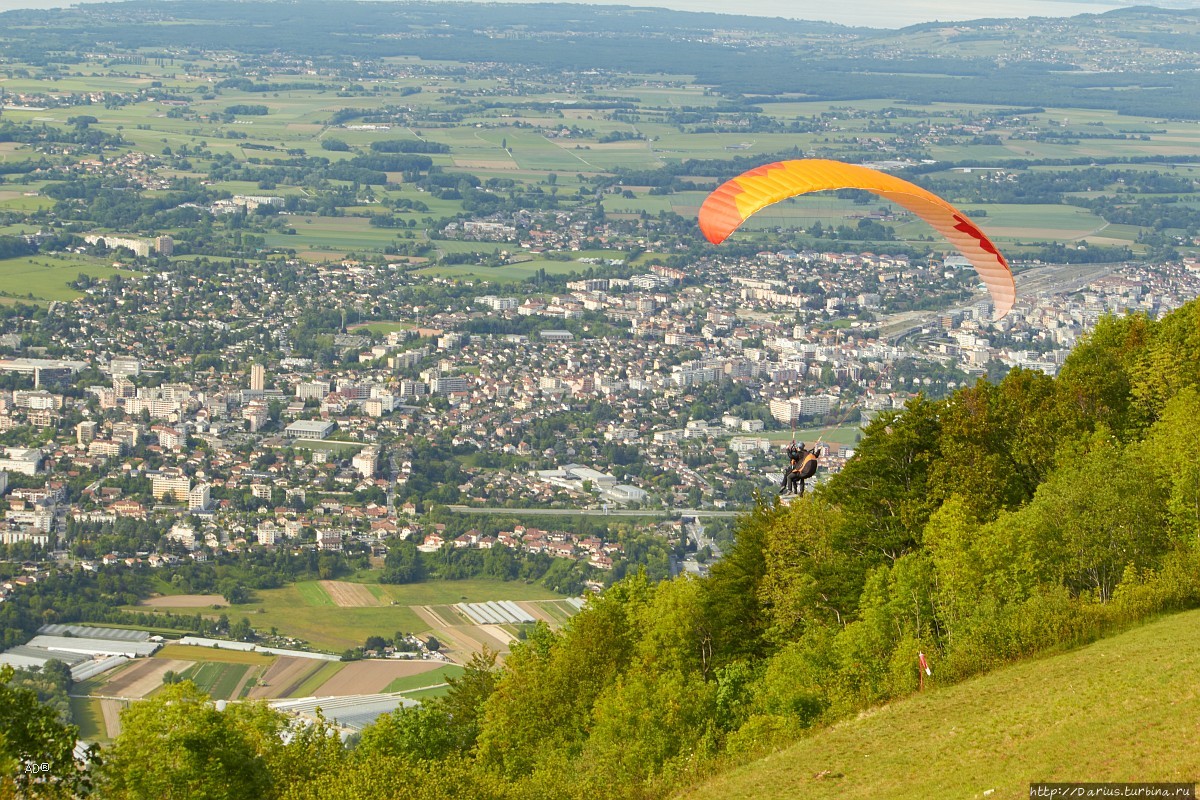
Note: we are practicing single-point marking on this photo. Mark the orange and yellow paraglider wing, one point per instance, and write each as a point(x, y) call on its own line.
point(738, 198)
point(961, 232)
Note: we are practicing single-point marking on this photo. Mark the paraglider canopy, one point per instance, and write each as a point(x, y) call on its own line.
point(734, 201)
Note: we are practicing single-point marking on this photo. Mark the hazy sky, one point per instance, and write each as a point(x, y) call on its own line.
point(868, 13)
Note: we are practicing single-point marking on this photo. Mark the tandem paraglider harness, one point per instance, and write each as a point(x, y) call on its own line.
point(802, 465)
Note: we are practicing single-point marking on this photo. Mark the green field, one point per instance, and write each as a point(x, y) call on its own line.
point(382, 328)
point(89, 718)
point(560, 611)
point(187, 652)
point(164, 587)
point(300, 610)
point(475, 590)
point(313, 594)
point(333, 234)
point(215, 678)
point(325, 627)
point(508, 273)
point(845, 434)
point(427, 694)
point(1123, 709)
point(314, 681)
point(21, 201)
point(431, 678)
point(45, 277)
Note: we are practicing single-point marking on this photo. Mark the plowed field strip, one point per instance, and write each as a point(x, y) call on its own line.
point(350, 595)
point(461, 643)
point(254, 672)
point(112, 716)
point(535, 610)
point(143, 678)
point(370, 677)
point(283, 675)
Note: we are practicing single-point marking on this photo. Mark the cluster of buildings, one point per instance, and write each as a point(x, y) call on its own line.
point(279, 434)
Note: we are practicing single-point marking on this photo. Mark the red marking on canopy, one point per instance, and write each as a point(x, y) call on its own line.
point(970, 230)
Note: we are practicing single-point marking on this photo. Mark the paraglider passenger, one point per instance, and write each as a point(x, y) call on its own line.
point(802, 466)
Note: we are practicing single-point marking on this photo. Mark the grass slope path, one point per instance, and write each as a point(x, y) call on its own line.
point(1123, 709)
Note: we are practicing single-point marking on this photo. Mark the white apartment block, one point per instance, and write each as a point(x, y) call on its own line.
point(162, 484)
point(199, 497)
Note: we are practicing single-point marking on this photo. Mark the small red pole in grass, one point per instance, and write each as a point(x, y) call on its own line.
point(924, 670)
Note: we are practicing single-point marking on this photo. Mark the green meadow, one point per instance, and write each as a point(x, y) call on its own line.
point(217, 679)
point(299, 611)
point(559, 610)
point(475, 590)
point(187, 652)
point(383, 328)
point(46, 277)
point(434, 676)
point(314, 594)
point(844, 434)
point(334, 234)
point(304, 610)
point(1121, 709)
point(508, 273)
point(326, 627)
point(90, 719)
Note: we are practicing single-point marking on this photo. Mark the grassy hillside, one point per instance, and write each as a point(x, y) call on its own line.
point(1123, 709)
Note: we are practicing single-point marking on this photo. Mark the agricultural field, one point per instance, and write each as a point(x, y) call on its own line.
point(313, 593)
point(179, 601)
point(509, 273)
point(46, 277)
point(286, 677)
point(336, 615)
point(412, 683)
point(140, 678)
point(477, 590)
point(23, 200)
point(186, 652)
point(332, 235)
point(372, 677)
point(352, 595)
point(89, 716)
point(313, 680)
point(327, 627)
point(235, 674)
point(553, 612)
point(220, 680)
point(488, 143)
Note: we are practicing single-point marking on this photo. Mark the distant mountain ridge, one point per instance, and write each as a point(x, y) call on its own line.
point(1127, 60)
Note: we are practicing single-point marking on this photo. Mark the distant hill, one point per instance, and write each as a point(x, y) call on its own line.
point(1145, 67)
point(1122, 709)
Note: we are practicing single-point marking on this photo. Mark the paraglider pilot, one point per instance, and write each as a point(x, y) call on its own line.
point(802, 466)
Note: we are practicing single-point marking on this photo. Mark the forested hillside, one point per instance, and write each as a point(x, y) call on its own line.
point(1001, 522)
